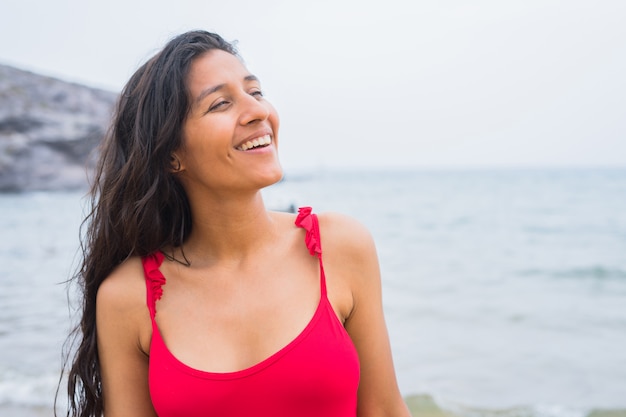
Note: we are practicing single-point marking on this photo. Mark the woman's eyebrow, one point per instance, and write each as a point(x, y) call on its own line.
point(208, 91)
point(251, 78)
point(211, 90)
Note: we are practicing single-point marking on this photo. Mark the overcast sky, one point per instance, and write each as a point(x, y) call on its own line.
point(358, 83)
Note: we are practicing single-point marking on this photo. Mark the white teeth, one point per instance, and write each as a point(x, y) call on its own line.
point(262, 141)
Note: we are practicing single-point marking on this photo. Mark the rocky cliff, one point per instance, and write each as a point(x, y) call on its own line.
point(49, 130)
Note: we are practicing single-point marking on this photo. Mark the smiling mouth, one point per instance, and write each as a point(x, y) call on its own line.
point(261, 142)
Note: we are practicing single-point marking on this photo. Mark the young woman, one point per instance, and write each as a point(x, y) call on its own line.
point(197, 300)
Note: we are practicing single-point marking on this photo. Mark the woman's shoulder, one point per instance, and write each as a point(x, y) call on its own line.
point(124, 289)
point(122, 313)
point(339, 233)
point(345, 234)
point(350, 259)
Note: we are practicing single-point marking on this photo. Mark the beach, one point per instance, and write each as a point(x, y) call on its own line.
point(504, 291)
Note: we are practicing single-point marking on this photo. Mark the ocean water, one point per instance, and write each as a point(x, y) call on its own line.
point(503, 290)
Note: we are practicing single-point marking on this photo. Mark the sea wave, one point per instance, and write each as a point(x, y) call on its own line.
point(28, 390)
point(427, 406)
point(596, 272)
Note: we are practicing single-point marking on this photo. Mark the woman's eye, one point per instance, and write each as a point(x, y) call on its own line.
point(218, 105)
point(257, 93)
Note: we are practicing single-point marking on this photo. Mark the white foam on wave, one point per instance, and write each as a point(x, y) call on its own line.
point(541, 410)
point(559, 411)
point(28, 390)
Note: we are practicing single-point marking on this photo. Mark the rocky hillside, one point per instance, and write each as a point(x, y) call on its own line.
point(49, 130)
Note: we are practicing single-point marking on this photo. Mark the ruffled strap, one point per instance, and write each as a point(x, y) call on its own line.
point(309, 222)
point(154, 280)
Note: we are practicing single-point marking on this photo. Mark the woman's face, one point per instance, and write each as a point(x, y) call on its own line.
point(230, 135)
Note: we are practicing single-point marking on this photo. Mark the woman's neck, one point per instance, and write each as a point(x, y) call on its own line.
point(228, 229)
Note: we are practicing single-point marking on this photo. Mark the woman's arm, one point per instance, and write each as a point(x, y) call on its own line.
point(348, 249)
point(124, 330)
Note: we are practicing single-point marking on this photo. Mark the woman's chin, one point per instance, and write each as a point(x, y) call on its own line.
point(274, 176)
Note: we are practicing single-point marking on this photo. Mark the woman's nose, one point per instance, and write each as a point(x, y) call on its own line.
point(254, 109)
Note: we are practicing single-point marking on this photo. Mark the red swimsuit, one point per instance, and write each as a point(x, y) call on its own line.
point(315, 375)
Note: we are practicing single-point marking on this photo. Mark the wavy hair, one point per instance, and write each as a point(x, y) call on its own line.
point(137, 206)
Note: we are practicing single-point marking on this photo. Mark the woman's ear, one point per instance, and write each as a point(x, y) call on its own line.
point(175, 165)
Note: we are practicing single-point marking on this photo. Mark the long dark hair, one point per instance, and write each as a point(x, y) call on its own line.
point(137, 204)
